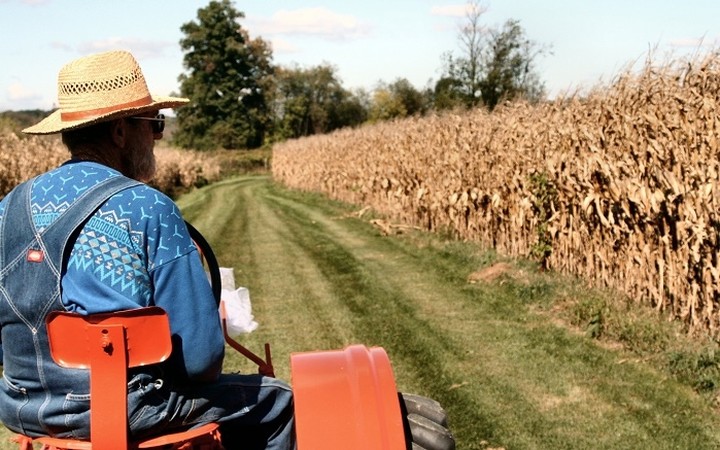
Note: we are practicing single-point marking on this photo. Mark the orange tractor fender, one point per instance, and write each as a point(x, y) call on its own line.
point(346, 399)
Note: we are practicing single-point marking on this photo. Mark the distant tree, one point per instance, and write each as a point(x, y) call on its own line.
point(411, 98)
point(463, 74)
point(353, 111)
point(311, 101)
point(398, 99)
point(509, 67)
point(225, 79)
point(385, 106)
point(15, 121)
point(494, 64)
point(448, 94)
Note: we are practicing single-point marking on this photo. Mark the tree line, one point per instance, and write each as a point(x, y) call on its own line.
point(240, 99)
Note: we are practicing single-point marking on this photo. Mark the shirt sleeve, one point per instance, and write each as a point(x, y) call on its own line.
point(181, 288)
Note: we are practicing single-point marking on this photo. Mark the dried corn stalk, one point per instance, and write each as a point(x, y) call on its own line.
point(634, 168)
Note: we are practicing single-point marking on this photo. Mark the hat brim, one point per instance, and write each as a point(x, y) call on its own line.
point(54, 124)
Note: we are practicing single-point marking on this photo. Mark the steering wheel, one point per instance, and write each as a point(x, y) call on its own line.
point(209, 257)
point(265, 366)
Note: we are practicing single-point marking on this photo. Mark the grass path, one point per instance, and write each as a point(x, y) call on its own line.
point(320, 278)
point(492, 353)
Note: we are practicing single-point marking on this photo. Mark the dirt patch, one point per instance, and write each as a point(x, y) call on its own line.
point(491, 273)
point(390, 229)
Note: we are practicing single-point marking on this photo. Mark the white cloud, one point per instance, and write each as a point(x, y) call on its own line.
point(280, 45)
point(694, 43)
point(17, 92)
point(27, 2)
point(320, 22)
point(141, 49)
point(687, 42)
point(450, 10)
point(60, 45)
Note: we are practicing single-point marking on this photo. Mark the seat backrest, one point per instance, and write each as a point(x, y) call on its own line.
point(107, 345)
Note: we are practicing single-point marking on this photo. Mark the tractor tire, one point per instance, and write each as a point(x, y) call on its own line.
point(425, 423)
point(426, 407)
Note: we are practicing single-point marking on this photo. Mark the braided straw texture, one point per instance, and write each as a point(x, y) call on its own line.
point(101, 81)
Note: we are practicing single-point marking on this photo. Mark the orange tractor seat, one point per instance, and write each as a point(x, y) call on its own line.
point(107, 345)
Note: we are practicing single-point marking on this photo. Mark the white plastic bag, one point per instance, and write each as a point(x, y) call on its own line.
point(236, 302)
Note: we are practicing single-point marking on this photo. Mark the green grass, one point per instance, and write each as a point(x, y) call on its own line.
point(512, 360)
point(527, 360)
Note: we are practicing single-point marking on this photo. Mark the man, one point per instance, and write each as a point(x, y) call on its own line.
point(90, 237)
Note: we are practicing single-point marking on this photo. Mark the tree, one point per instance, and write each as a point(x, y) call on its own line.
point(353, 111)
point(495, 64)
point(463, 74)
point(448, 94)
point(225, 79)
point(398, 99)
point(311, 101)
point(509, 67)
point(412, 100)
point(385, 106)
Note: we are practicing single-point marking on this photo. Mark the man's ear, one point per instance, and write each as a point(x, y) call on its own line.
point(118, 132)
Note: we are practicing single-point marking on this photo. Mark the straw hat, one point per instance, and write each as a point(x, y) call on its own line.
point(98, 88)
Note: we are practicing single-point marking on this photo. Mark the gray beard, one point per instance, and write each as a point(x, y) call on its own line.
point(141, 167)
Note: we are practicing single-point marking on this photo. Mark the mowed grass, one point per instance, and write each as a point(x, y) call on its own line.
point(496, 354)
point(499, 354)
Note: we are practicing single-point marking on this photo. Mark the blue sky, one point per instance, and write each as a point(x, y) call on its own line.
point(590, 41)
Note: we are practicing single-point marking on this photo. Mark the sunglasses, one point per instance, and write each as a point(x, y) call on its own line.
point(157, 122)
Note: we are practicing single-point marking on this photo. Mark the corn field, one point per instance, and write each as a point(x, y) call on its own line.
point(618, 186)
point(23, 158)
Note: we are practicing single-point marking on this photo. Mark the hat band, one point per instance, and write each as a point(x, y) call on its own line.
point(92, 113)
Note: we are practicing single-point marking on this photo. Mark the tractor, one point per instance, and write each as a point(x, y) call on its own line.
point(344, 399)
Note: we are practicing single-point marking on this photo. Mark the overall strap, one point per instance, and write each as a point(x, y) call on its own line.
point(17, 216)
point(51, 241)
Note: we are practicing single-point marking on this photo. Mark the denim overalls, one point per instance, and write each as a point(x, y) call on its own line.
point(38, 397)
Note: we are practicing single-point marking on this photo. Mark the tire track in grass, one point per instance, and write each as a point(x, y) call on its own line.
point(287, 278)
point(319, 280)
point(289, 296)
point(395, 304)
point(328, 280)
point(512, 400)
point(381, 311)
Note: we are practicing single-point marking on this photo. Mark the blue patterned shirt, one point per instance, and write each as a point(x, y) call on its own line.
point(134, 251)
